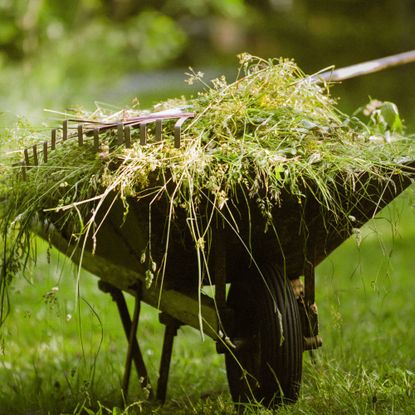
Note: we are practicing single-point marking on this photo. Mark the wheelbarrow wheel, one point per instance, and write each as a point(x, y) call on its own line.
point(266, 364)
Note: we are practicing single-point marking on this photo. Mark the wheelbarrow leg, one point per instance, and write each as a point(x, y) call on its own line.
point(172, 325)
point(130, 328)
point(131, 336)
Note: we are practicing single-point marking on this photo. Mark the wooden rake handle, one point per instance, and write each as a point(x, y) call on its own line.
point(365, 68)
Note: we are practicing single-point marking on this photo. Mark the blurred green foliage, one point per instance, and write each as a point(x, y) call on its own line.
point(150, 34)
point(141, 34)
point(60, 52)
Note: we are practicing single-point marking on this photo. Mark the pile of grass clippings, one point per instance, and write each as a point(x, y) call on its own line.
point(271, 132)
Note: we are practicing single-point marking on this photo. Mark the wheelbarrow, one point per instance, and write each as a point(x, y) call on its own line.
point(262, 315)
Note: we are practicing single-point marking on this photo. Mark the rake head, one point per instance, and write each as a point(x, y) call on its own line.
point(88, 130)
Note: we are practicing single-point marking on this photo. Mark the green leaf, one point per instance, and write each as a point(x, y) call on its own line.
point(277, 172)
point(390, 114)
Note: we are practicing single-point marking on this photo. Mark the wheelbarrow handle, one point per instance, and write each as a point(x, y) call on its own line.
point(365, 68)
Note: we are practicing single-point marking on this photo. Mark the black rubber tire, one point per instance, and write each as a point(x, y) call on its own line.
point(266, 318)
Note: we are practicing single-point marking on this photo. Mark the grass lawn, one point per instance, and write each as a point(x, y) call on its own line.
point(60, 353)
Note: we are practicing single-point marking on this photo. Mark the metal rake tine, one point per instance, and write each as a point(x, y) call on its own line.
point(53, 139)
point(127, 136)
point(178, 131)
point(35, 157)
point(159, 130)
point(65, 130)
point(26, 157)
point(143, 134)
point(45, 151)
point(80, 134)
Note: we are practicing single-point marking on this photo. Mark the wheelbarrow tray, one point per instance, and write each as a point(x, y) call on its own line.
point(303, 232)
